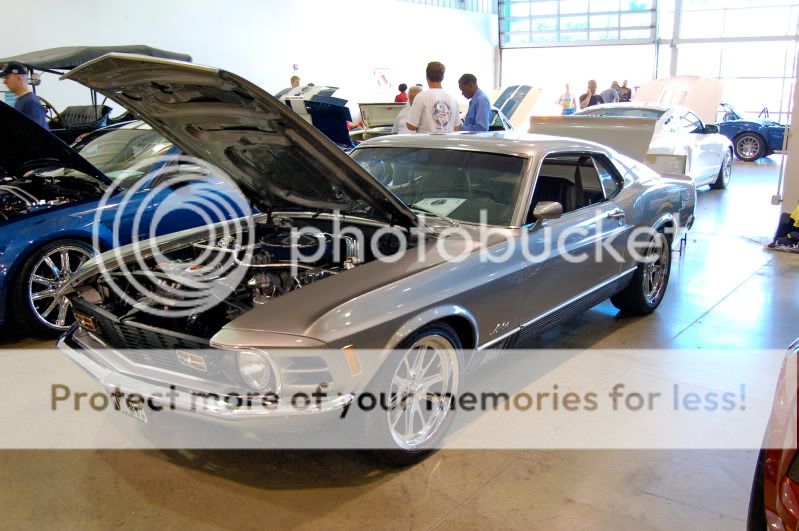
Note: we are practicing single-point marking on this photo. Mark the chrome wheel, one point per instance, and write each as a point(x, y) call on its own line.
point(723, 178)
point(421, 392)
point(53, 270)
point(656, 269)
point(748, 147)
point(726, 170)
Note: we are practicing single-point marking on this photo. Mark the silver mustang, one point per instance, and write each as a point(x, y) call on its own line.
point(473, 244)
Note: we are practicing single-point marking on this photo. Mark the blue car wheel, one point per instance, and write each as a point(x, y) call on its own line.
point(37, 307)
point(749, 146)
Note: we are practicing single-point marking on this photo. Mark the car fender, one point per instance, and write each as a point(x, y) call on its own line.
point(436, 313)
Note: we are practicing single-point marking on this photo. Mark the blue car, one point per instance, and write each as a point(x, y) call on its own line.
point(751, 139)
point(50, 198)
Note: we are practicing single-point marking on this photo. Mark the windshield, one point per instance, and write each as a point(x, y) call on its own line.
point(448, 182)
point(125, 154)
point(624, 112)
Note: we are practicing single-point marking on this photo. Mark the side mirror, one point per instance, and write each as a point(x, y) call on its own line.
point(711, 129)
point(545, 210)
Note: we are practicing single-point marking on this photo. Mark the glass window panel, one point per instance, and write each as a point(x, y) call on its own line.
point(517, 38)
point(604, 35)
point(573, 23)
point(699, 60)
point(700, 24)
point(635, 34)
point(750, 96)
point(666, 24)
point(604, 21)
point(636, 5)
point(664, 61)
point(599, 6)
point(573, 6)
point(636, 19)
point(545, 37)
point(763, 59)
point(754, 22)
point(694, 5)
point(545, 24)
point(519, 25)
point(573, 36)
point(544, 8)
point(521, 9)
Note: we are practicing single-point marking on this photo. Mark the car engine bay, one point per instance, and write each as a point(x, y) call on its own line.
point(27, 195)
point(270, 271)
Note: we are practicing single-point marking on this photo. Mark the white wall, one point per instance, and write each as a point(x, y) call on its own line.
point(336, 43)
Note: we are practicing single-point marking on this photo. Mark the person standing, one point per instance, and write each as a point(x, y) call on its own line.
point(400, 123)
point(625, 93)
point(566, 102)
point(611, 95)
point(402, 97)
point(478, 117)
point(434, 110)
point(295, 81)
point(590, 97)
point(15, 76)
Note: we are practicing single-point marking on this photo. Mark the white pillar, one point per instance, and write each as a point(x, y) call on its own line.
point(790, 183)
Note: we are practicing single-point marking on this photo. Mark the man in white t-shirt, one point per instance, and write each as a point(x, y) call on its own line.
point(434, 110)
point(400, 123)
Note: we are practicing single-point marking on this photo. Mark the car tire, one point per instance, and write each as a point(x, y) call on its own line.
point(723, 179)
point(756, 517)
point(651, 278)
point(434, 350)
point(35, 307)
point(749, 146)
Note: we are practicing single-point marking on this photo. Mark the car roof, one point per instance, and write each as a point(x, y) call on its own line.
point(500, 142)
point(663, 107)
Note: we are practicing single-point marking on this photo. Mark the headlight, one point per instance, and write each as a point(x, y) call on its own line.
point(255, 369)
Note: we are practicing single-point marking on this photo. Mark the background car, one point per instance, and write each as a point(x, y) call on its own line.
point(668, 138)
point(379, 120)
point(751, 139)
point(49, 194)
point(293, 331)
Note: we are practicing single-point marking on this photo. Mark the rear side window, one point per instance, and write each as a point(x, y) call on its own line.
point(611, 181)
point(575, 180)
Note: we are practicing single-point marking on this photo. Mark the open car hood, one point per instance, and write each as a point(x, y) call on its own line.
point(69, 57)
point(629, 136)
point(701, 95)
point(274, 156)
point(516, 102)
point(380, 114)
point(25, 146)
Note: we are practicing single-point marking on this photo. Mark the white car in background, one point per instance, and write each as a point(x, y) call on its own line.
point(666, 137)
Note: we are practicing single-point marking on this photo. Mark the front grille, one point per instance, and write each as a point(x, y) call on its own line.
point(141, 343)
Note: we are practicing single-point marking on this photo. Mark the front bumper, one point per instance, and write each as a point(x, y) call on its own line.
point(187, 395)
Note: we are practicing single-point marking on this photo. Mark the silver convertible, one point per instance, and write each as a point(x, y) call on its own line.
point(473, 243)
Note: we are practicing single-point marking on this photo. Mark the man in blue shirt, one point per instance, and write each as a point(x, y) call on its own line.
point(15, 76)
point(478, 117)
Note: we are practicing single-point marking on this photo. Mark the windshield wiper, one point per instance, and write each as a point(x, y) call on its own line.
point(436, 215)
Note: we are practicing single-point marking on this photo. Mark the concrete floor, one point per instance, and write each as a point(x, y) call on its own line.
point(725, 292)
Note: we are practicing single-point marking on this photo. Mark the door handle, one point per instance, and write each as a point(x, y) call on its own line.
point(616, 214)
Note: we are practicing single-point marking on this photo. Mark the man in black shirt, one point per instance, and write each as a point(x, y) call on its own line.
point(590, 97)
point(15, 76)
